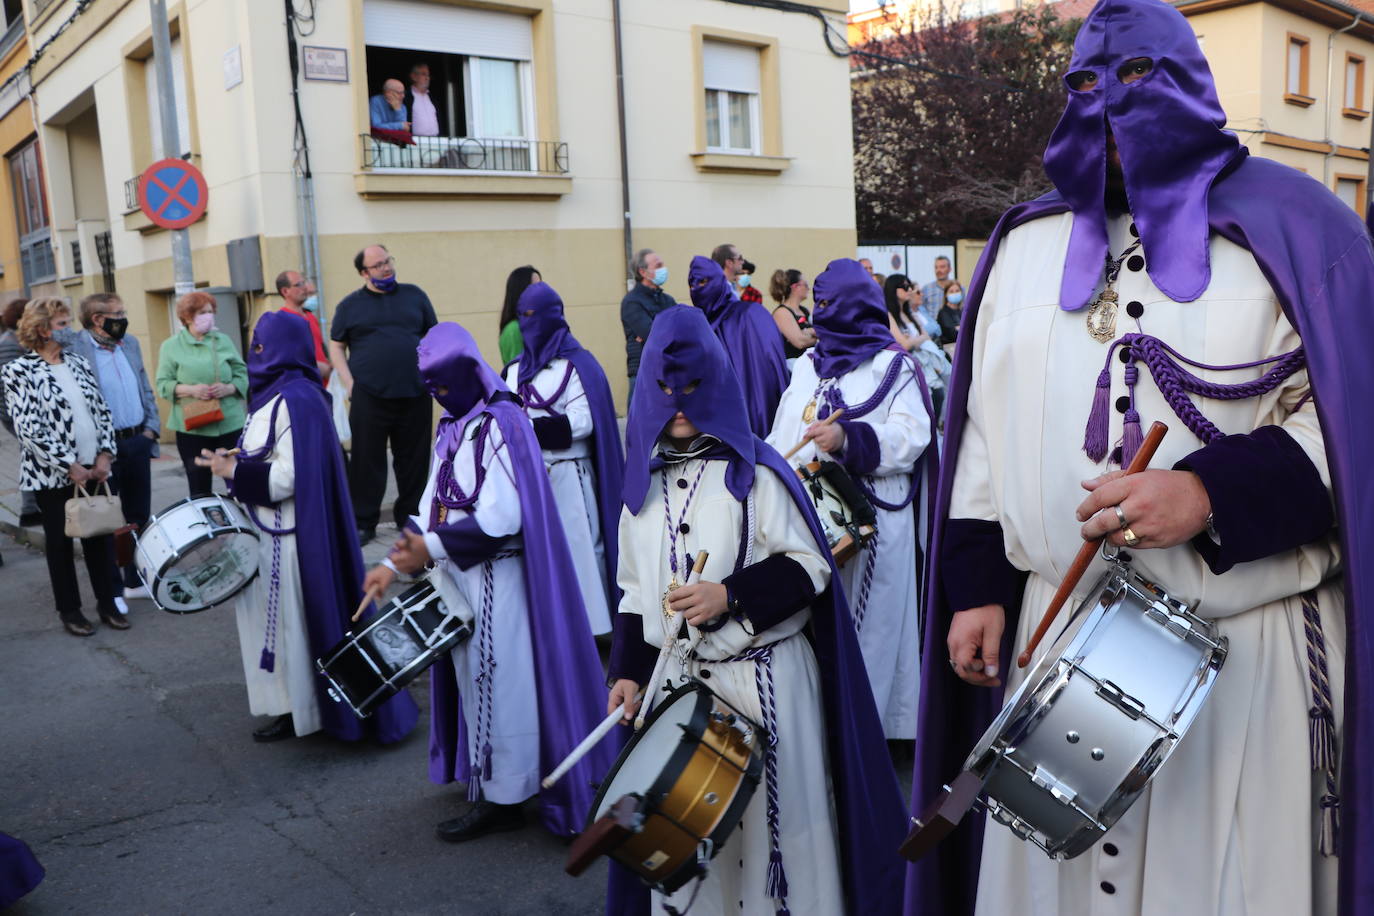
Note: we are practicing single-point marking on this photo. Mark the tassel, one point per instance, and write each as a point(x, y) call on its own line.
point(1095, 435)
point(486, 761)
point(475, 782)
point(268, 662)
point(1329, 834)
point(777, 878)
point(1322, 736)
point(1131, 437)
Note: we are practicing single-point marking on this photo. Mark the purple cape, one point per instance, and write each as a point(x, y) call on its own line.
point(281, 361)
point(547, 337)
point(20, 871)
point(1316, 255)
point(682, 353)
point(850, 319)
point(751, 340)
point(569, 678)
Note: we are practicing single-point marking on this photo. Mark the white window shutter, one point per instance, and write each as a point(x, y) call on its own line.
point(731, 67)
point(444, 29)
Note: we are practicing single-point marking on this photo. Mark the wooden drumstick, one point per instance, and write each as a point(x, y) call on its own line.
point(800, 445)
point(587, 744)
point(1085, 553)
point(669, 638)
point(371, 595)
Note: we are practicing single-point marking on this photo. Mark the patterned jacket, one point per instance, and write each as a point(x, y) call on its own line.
point(44, 420)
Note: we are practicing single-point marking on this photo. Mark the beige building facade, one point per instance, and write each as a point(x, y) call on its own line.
point(737, 130)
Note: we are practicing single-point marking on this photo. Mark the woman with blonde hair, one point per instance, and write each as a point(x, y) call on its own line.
point(66, 437)
point(789, 291)
point(204, 377)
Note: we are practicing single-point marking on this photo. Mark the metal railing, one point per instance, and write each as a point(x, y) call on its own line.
point(37, 258)
point(544, 157)
point(131, 194)
point(76, 258)
point(104, 252)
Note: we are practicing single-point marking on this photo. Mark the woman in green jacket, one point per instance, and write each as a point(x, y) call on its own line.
point(196, 367)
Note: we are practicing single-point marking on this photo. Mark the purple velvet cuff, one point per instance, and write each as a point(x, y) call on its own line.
point(250, 483)
point(770, 591)
point(631, 656)
point(412, 526)
point(554, 433)
point(861, 451)
point(974, 569)
point(1267, 497)
point(466, 543)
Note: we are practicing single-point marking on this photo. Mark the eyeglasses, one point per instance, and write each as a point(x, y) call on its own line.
point(389, 262)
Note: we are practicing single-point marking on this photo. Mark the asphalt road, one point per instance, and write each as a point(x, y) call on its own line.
point(126, 763)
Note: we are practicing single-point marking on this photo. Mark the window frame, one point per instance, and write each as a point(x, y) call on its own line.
point(35, 238)
point(1302, 98)
point(1361, 189)
point(767, 113)
point(1360, 110)
point(723, 123)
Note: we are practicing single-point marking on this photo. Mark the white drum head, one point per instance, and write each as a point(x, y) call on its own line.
point(198, 553)
point(653, 747)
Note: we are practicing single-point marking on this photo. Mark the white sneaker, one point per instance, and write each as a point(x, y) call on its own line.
point(137, 592)
point(121, 606)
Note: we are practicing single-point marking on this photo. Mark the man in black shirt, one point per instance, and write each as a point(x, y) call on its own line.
point(640, 305)
point(372, 347)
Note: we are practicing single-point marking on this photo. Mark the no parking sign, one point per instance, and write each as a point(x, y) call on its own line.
point(172, 193)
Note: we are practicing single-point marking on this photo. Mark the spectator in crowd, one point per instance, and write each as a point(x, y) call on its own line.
point(10, 348)
point(512, 343)
point(908, 325)
point(373, 337)
point(639, 308)
point(867, 265)
point(880, 279)
point(295, 292)
point(388, 109)
point(789, 290)
point(424, 116)
point(117, 361)
point(933, 293)
point(732, 263)
point(744, 285)
point(66, 437)
point(951, 313)
point(198, 365)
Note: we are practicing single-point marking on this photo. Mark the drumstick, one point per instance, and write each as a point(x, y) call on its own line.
point(587, 744)
point(371, 595)
point(826, 422)
point(669, 638)
point(1085, 553)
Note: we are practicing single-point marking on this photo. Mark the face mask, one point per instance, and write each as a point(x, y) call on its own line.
point(954, 298)
point(203, 323)
point(65, 337)
point(660, 276)
point(743, 280)
point(311, 304)
point(385, 284)
point(115, 328)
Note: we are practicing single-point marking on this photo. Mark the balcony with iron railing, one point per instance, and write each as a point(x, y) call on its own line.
point(463, 167)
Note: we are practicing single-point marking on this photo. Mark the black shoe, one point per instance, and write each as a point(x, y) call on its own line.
point(77, 624)
point(280, 728)
point(30, 520)
point(482, 818)
point(114, 620)
point(366, 536)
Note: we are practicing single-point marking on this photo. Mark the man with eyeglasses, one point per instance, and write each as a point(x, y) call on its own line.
point(118, 363)
point(730, 261)
point(373, 338)
point(294, 290)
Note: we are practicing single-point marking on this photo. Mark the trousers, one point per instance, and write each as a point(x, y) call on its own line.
point(407, 425)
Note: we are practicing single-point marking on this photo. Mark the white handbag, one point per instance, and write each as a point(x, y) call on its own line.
point(92, 515)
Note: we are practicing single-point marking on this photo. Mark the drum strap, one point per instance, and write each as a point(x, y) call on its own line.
point(268, 662)
point(1321, 720)
point(486, 674)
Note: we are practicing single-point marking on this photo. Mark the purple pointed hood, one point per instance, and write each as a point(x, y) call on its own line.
point(709, 289)
point(684, 368)
point(1168, 127)
point(850, 319)
point(543, 328)
point(450, 359)
point(282, 350)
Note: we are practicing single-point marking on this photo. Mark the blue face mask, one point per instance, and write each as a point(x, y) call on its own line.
point(311, 304)
point(385, 284)
point(660, 276)
point(744, 280)
point(954, 298)
point(65, 337)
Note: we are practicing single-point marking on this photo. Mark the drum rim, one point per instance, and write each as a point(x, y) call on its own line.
point(210, 535)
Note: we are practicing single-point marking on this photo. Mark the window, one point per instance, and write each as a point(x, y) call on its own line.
point(1351, 190)
point(731, 79)
point(155, 110)
point(31, 214)
point(1354, 86)
point(1295, 85)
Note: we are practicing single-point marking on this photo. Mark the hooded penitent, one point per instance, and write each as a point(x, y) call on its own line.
point(547, 337)
point(850, 319)
point(568, 673)
point(684, 369)
point(750, 338)
point(1316, 254)
point(281, 361)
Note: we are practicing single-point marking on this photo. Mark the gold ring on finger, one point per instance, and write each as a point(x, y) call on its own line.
point(1131, 538)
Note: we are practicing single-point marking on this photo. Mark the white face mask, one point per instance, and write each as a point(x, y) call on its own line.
point(203, 323)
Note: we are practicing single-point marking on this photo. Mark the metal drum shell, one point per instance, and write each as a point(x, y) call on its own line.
point(153, 570)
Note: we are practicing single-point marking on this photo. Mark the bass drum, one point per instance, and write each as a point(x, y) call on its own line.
point(197, 553)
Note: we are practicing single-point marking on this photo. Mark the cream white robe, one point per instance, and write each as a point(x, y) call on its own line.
point(290, 687)
point(572, 473)
point(737, 882)
point(514, 712)
point(1229, 823)
point(887, 618)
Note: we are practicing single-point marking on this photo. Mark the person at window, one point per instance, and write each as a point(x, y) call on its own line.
point(424, 116)
point(512, 344)
point(200, 363)
point(916, 334)
point(639, 308)
point(388, 109)
point(789, 290)
point(744, 285)
point(951, 313)
point(66, 437)
point(732, 263)
point(373, 337)
point(933, 293)
point(10, 348)
point(118, 363)
point(295, 292)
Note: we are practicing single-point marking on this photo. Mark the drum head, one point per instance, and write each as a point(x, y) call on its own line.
point(198, 553)
point(649, 753)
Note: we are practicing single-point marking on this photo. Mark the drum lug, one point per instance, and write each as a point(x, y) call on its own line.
point(334, 695)
point(1122, 700)
point(1060, 791)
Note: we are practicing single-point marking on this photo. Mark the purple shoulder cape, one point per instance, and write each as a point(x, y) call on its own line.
point(1316, 255)
point(569, 677)
point(607, 456)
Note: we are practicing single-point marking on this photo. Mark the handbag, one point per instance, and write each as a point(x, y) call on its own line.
point(195, 412)
point(90, 515)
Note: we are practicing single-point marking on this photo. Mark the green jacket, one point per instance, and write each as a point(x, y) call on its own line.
point(512, 342)
point(183, 360)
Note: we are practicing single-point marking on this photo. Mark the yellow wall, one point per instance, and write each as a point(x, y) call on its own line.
point(16, 126)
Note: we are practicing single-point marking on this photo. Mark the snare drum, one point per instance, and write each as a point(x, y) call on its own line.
point(1098, 715)
point(197, 553)
point(410, 633)
point(847, 517)
point(690, 771)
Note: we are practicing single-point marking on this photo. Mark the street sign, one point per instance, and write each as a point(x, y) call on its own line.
point(172, 193)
